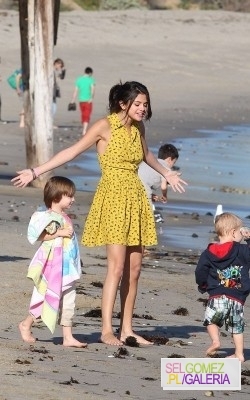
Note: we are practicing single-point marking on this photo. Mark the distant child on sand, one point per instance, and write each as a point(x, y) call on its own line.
point(85, 90)
point(153, 180)
point(223, 272)
point(56, 265)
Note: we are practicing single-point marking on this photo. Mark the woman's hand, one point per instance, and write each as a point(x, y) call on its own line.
point(23, 178)
point(174, 180)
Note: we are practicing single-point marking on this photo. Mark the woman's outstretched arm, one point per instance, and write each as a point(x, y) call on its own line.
point(93, 135)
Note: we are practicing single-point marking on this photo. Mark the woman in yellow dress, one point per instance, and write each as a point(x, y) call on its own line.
point(120, 216)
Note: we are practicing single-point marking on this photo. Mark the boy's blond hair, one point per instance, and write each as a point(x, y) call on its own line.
point(225, 222)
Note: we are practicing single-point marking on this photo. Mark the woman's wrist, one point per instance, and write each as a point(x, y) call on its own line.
point(35, 173)
point(167, 172)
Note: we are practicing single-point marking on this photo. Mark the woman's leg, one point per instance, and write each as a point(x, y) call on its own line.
point(116, 258)
point(128, 292)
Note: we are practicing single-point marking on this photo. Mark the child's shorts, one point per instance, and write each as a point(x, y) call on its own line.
point(67, 307)
point(86, 110)
point(222, 310)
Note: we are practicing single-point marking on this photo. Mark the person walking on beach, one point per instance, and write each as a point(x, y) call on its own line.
point(16, 82)
point(20, 91)
point(153, 180)
point(85, 90)
point(120, 216)
point(223, 272)
point(59, 72)
point(56, 265)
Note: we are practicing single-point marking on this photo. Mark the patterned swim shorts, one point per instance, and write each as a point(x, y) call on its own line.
point(222, 310)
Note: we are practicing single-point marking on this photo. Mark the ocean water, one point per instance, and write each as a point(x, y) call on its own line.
point(216, 167)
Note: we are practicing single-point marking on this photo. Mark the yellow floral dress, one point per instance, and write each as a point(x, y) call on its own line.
point(120, 212)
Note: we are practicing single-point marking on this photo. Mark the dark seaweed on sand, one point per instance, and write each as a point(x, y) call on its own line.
point(181, 311)
point(204, 301)
point(97, 284)
point(131, 341)
point(99, 257)
point(174, 355)
point(42, 350)
point(80, 289)
point(144, 316)
point(70, 382)
point(245, 372)
point(121, 352)
point(149, 378)
point(244, 381)
point(25, 362)
point(156, 339)
point(95, 313)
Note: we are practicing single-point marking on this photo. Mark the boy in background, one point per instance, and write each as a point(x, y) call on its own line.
point(152, 180)
point(223, 272)
point(59, 72)
point(85, 90)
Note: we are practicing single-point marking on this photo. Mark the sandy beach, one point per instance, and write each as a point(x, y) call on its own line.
point(196, 66)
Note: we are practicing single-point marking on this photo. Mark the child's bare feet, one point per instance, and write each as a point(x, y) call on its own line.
point(72, 342)
point(26, 333)
point(140, 340)
point(111, 339)
point(213, 348)
point(240, 357)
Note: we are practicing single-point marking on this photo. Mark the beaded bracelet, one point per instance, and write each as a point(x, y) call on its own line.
point(33, 173)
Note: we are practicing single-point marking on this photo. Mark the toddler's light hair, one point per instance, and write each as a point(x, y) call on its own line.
point(225, 222)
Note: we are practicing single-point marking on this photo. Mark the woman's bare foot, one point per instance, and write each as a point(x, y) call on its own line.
point(240, 357)
point(26, 333)
point(140, 340)
point(111, 340)
point(211, 351)
point(72, 342)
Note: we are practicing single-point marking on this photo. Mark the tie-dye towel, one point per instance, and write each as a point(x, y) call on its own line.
point(54, 268)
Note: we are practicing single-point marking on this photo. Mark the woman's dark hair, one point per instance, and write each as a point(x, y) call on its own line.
point(55, 188)
point(127, 93)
